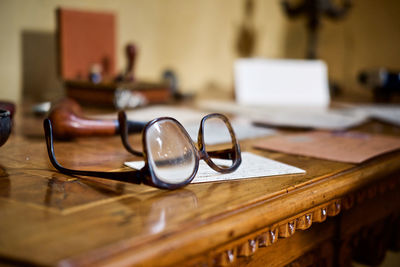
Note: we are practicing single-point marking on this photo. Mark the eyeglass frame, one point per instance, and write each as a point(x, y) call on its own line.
point(147, 175)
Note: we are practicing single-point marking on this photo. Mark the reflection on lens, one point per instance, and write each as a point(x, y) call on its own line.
point(170, 152)
point(218, 138)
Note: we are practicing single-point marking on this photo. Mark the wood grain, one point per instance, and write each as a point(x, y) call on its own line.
point(48, 218)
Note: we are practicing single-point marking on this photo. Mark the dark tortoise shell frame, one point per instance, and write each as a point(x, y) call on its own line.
point(147, 174)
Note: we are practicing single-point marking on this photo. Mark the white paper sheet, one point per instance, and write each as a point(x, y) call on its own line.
point(326, 120)
point(252, 166)
point(243, 129)
point(190, 119)
point(318, 118)
point(387, 113)
point(281, 82)
point(181, 114)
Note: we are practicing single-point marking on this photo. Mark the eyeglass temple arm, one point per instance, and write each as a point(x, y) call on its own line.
point(127, 176)
point(132, 126)
point(125, 129)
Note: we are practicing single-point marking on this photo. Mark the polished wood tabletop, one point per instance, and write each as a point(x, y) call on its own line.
point(47, 218)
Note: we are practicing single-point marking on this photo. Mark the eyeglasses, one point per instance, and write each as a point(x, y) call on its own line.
point(171, 157)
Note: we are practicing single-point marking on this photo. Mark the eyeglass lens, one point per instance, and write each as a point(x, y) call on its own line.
point(221, 142)
point(170, 152)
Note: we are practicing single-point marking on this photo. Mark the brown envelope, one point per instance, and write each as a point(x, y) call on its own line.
point(351, 146)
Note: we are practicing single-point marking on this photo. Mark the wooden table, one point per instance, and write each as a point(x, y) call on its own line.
point(334, 213)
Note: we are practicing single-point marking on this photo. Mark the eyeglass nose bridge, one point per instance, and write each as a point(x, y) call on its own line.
point(202, 154)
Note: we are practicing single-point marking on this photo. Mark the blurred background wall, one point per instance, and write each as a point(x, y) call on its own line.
point(195, 38)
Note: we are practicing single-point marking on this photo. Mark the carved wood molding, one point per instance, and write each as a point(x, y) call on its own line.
point(249, 245)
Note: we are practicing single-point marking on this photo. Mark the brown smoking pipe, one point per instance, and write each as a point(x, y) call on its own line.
point(68, 122)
